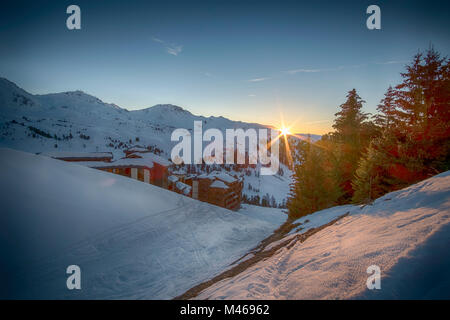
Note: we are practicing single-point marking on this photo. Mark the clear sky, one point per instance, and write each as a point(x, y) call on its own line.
point(245, 60)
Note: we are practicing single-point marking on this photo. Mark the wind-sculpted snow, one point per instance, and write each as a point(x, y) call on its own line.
point(405, 233)
point(130, 239)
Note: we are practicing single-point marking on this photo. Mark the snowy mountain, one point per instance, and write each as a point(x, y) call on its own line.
point(77, 121)
point(405, 233)
point(312, 137)
point(130, 239)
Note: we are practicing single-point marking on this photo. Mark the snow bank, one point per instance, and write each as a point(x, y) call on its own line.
point(406, 233)
point(130, 239)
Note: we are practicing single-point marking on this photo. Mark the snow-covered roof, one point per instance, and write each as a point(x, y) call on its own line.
point(125, 162)
point(137, 149)
point(95, 164)
point(146, 162)
point(186, 189)
point(179, 171)
point(172, 178)
point(218, 184)
point(133, 162)
point(225, 177)
point(74, 155)
point(154, 158)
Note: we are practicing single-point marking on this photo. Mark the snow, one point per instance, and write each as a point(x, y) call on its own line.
point(218, 184)
point(321, 218)
point(406, 233)
point(272, 215)
point(274, 185)
point(95, 164)
point(186, 189)
point(130, 239)
point(137, 149)
point(132, 162)
point(67, 154)
point(225, 177)
point(154, 158)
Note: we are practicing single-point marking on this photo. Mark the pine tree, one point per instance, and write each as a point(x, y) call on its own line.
point(416, 128)
point(352, 136)
point(350, 118)
point(423, 100)
point(387, 110)
point(371, 179)
point(313, 188)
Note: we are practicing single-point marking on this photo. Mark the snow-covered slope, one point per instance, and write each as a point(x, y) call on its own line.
point(130, 239)
point(406, 233)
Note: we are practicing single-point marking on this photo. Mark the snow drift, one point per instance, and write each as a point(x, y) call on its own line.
point(406, 233)
point(130, 239)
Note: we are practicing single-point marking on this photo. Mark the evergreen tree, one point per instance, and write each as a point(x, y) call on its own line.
point(415, 141)
point(313, 188)
point(424, 111)
point(387, 110)
point(352, 136)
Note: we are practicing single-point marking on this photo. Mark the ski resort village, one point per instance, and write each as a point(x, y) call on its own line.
point(218, 188)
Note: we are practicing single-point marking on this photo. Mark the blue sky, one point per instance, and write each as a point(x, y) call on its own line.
point(246, 60)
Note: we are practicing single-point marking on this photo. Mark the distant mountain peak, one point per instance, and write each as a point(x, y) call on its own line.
point(171, 107)
point(82, 94)
point(166, 108)
point(5, 83)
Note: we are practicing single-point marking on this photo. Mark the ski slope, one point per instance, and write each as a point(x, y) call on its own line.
point(406, 233)
point(131, 240)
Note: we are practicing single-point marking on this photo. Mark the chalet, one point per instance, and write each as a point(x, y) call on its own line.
point(135, 149)
point(220, 188)
point(159, 169)
point(171, 182)
point(143, 166)
point(80, 156)
point(179, 173)
point(146, 169)
point(132, 168)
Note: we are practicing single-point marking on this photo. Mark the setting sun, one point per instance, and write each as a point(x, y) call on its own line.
point(285, 131)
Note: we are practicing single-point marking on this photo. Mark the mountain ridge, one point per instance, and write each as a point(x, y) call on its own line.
point(165, 107)
point(89, 116)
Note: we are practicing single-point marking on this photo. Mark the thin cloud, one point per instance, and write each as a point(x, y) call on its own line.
point(252, 95)
point(157, 40)
point(295, 71)
point(303, 71)
point(174, 50)
point(170, 48)
point(392, 62)
point(258, 79)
